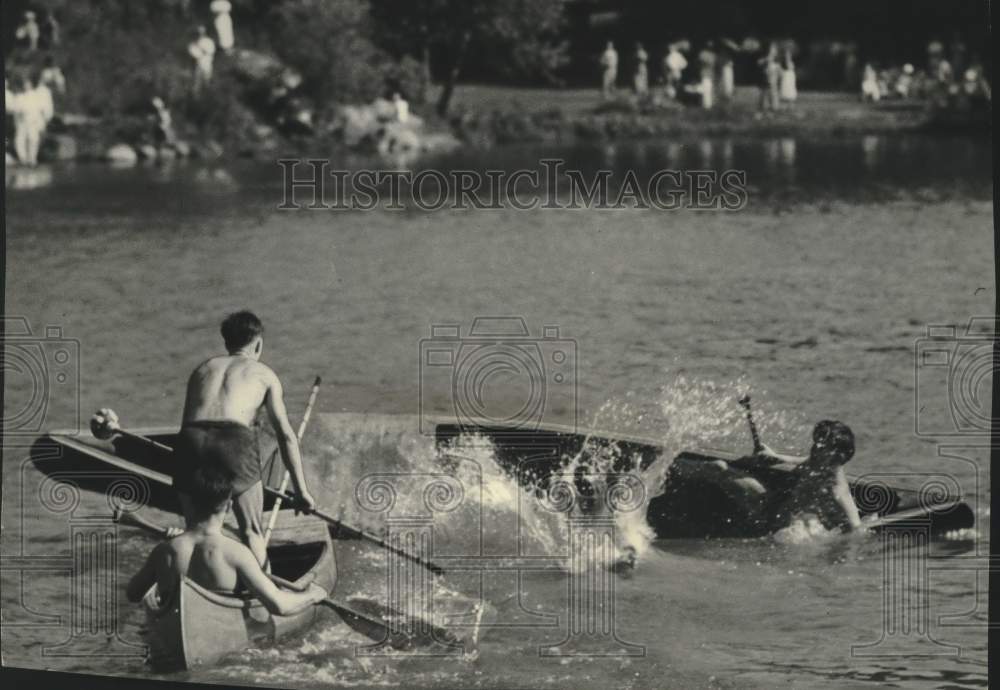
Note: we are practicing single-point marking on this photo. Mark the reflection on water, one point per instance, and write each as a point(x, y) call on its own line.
point(21, 178)
point(782, 169)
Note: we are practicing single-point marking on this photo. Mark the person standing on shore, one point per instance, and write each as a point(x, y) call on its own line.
point(401, 107)
point(870, 90)
point(674, 65)
point(223, 24)
point(609, 62)
point(30, 113)
point(770, 93)
point(641, 71)
point(727, 73)
point(789, 87)
point(50, 32)
point(706, 63)
point(224, 394)
point(52, 76)
point(28, 33)
point(163, 124)
point(905, 81)
point(202, 50)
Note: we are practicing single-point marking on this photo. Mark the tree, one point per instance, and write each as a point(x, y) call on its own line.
point(517, 36)
point(327, 41)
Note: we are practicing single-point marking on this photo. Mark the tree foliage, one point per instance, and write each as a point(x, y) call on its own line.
point(516, 37)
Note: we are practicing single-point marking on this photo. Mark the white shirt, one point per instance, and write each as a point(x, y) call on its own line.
point(223, 23)
point(402, 109)
point(676, 62)
point(203, 52)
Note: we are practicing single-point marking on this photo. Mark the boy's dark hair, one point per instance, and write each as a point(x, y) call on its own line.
point(210, 487)
point(834, 437)
point(240, 328)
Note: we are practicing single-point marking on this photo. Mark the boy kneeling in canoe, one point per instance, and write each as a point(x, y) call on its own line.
point(210, 558)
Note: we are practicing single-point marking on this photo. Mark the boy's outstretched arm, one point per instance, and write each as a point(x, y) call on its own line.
point(277, 601)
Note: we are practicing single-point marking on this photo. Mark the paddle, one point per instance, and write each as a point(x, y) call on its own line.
point(109, 427)
point(284, 480)
point(315, 512)
point(351, 613)
point(120, 517)
point(757, 445)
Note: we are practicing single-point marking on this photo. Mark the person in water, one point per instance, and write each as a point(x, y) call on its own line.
point(210, 558)
point(224, 394)
point(817, 485)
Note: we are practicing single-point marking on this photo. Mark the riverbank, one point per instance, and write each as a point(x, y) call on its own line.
point(489, 116)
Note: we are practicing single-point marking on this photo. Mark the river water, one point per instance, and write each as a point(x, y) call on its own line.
point(816, 298)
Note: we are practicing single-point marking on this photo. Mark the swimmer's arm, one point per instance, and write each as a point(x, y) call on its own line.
point(767, 458)
point(277, 601)
point(145, 578)
point(288, 443)
point(842, 493)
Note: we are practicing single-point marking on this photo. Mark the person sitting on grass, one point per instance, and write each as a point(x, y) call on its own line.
point(212, 559)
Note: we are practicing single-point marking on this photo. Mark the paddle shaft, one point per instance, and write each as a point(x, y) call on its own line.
point(757, 445)
point(132, 520)
point(355, 532)
point(312, 511)
point(284, 480)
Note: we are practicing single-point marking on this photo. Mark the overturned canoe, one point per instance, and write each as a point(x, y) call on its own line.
point(694, 504)
point(198, 627)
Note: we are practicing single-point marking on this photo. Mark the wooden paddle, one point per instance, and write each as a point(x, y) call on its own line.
point(284, 480)
point(111, 428)
point(757, 445)
point(379, 626)
point(315, 512)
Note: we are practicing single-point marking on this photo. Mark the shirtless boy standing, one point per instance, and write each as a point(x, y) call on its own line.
point(223, 396)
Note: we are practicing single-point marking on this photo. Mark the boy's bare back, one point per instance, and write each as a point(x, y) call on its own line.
point(210, 560)
point(228, 387)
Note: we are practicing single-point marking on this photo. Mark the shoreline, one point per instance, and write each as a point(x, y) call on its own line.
point(487, 117)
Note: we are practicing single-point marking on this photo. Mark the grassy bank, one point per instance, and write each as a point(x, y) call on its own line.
point(496, 114)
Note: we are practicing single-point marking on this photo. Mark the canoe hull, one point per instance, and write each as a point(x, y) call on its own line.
point(199, 627)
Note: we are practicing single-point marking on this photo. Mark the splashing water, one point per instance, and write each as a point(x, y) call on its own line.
point(378, 467)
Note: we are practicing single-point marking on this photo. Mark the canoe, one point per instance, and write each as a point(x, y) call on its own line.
point(694, 504)
point(681, 507)
point(99, 465)
point(198, 626)
point(134, 474)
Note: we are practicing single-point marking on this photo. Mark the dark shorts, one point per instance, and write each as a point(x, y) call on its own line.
point(231, 444)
